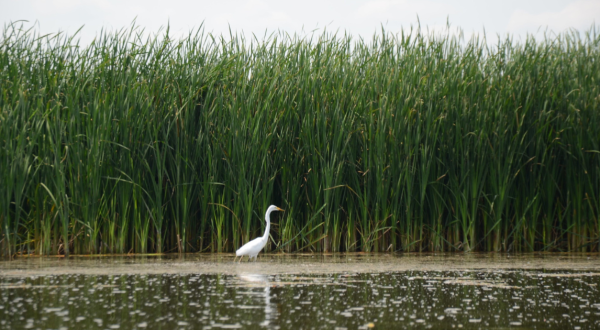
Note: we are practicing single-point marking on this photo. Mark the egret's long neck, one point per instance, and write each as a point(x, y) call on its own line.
point(268, 220)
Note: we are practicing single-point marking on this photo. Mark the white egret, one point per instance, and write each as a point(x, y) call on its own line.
point(252, 248)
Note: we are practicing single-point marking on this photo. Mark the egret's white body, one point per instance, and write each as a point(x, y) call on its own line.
point(252, 248)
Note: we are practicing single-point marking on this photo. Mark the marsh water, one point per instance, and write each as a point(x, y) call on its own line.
point(302, 292)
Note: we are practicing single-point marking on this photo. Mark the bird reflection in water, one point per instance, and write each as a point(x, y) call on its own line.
point(257, 281)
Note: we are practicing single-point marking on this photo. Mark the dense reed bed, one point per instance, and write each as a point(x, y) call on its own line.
point(405, 142)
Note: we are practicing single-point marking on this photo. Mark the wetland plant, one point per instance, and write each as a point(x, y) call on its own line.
point(406, 142)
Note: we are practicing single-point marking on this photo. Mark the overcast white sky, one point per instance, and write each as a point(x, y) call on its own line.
point(357, 17)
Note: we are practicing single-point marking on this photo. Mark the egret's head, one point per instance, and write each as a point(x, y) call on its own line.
point(274, 208)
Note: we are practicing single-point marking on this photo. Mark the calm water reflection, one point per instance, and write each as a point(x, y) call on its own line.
point(435, 300)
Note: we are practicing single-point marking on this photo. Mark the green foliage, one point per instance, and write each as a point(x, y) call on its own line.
point(407, 142)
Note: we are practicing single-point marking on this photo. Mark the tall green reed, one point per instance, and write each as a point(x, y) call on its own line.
point(413, 141)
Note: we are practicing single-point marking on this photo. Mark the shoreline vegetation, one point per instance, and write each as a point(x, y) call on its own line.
point(413, 141)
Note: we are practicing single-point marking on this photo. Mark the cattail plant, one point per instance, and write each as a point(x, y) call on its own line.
point(408, 141)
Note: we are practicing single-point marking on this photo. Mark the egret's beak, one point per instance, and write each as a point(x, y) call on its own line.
point(280, 209)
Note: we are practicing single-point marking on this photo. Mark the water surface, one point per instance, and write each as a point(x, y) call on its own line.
point(256, 296)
